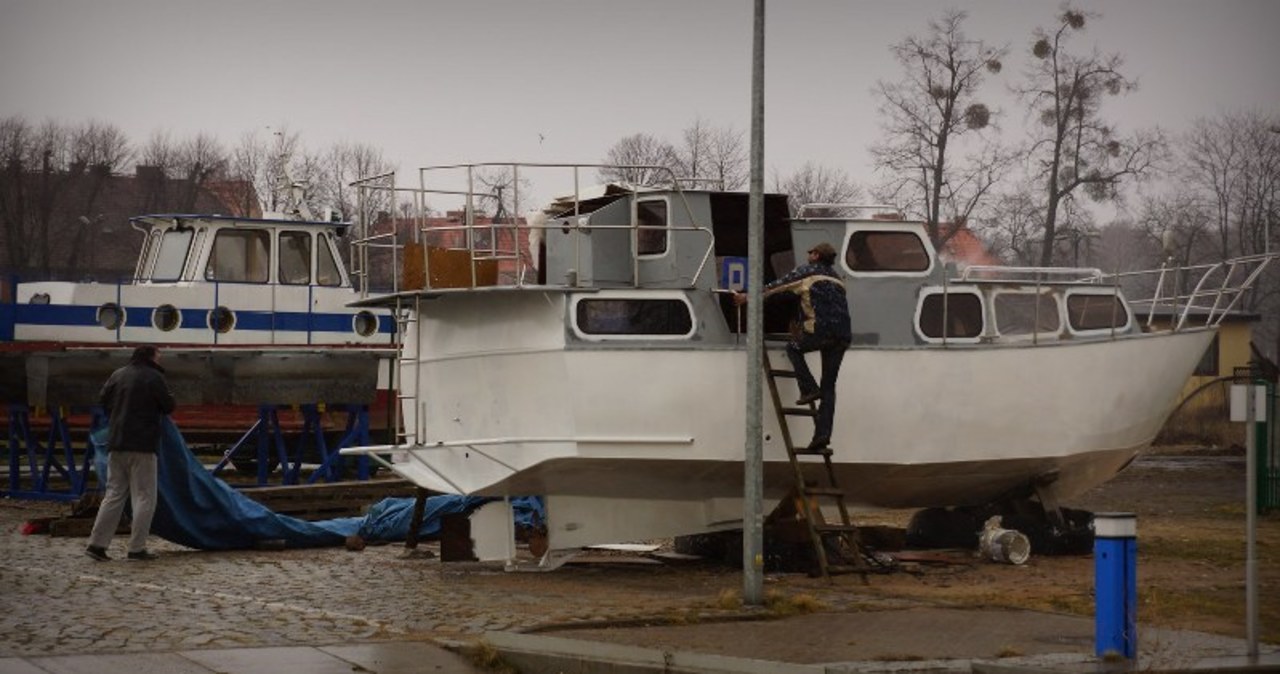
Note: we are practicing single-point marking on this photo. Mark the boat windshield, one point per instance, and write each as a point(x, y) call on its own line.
point(171, 257)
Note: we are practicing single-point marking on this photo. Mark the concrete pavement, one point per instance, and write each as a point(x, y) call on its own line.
point(382, 612)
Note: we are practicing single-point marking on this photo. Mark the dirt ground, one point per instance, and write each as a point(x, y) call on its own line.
point(1191, 558)
point(1190, 506)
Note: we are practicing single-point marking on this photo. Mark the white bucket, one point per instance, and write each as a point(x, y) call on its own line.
point(1003, 545)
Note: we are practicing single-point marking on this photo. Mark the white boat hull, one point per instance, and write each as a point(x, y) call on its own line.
point(512, 411)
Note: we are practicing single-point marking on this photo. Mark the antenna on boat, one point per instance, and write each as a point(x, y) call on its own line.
point(295, 191)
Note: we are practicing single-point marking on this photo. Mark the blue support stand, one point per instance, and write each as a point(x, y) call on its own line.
point(1115, 559)
point(356, 434)
point(271, 445)
point(43, 460)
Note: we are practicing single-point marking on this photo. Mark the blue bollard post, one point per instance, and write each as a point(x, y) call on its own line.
point(1115, 564)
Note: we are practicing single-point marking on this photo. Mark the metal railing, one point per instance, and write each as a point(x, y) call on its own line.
point(1219, 289)
point(486, 242)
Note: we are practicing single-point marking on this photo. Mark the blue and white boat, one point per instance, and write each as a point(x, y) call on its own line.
point(249, 311)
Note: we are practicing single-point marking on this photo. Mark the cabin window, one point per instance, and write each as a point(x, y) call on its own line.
point(239, 255)
point(651, 237)
point(295, 258)
point(886, 251)
point(166, 317)
point(171, 257)
point(1090, 311)
point(1022, 313)
point(960, 312)
point(327, 273)
point(634, 317)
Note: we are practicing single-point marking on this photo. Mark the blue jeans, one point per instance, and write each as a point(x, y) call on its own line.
point(832, 350)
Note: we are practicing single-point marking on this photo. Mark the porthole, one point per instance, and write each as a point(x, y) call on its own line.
point(221, 319)
point(365, 323)
point(110, 316)
point(166, 317)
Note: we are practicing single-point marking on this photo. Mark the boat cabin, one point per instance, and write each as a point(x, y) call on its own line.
point(607, 242)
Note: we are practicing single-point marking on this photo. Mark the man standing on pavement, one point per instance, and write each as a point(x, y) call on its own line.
point(824, 327)
point(136, 397)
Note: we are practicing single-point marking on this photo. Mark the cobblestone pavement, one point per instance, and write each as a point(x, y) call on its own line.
point(58, 601)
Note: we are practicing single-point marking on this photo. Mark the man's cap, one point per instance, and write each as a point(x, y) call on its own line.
point(824, 250)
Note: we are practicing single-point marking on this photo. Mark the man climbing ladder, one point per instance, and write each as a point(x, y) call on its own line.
point(823, 317)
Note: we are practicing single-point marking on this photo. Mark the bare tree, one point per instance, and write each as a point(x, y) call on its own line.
point(926, 117)
point(1011, 225)
point(501, 187)
point(1233, 162)
point(817, 184)
point(52, 182)
point(248, 162)
point(1076, 148)
point(342, 165)
point(716, 154)
point(285, 178)
point(631, 156)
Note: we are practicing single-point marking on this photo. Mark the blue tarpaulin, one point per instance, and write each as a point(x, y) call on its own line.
point(199, 510)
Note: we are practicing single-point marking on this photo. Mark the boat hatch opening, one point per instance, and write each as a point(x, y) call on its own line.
point(1026, 314)
point(950, 315)
point(597, 318)
point(239, 255)
point(874, 250)
point(651, 227)
point(1096, 311)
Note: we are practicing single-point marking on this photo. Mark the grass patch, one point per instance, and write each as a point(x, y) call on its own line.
point(483, 655)
point(1220, 552)
point(729, 600)
point(1009, 652)
point(782, 605)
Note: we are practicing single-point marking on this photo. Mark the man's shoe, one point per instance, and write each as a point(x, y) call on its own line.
point(143, 556)
point(819, 442)
point(809, 397)
point(97, 553)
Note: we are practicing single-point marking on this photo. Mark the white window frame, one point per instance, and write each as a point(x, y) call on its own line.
point(878, 227)
point(1108, 292)
point(1058, 303)
point(632, 295)
point(927, 291)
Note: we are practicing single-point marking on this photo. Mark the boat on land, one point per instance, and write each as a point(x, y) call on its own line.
point(609, 375)
point(249, 311)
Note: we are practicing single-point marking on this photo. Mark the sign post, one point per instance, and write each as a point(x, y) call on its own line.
point(1248, 405)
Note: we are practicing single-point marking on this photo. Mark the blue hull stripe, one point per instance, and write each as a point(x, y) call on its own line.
point(281, 321)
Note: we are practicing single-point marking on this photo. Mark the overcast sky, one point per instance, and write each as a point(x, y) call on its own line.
point(433, 82)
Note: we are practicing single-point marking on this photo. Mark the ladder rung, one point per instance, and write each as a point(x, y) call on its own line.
point(800, 412)
point(790, 374)
point(824, 491)
point(844, 568)
point(835, 528)
point(805, 451)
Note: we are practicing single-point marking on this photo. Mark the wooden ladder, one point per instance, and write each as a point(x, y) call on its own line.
point(809, 496)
